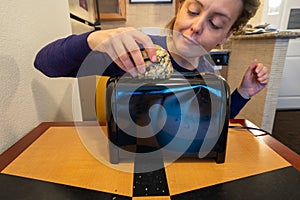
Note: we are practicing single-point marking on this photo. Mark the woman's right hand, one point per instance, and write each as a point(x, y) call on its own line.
point(121, 45)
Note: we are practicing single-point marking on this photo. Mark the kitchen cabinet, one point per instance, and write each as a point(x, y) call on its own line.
point(289, 92)
point(112, 10)
point(286, 17)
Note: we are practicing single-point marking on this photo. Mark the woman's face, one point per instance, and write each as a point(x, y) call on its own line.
point(204, 22)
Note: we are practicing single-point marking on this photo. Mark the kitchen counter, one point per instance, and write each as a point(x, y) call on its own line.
point(271, 50)
point(268, 35)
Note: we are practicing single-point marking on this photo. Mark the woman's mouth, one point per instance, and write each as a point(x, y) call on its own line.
point(190, 40)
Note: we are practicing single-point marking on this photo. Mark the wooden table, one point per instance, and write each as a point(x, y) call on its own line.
point(53, 162)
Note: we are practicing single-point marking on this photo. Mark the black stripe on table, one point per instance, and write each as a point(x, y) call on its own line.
point(153, 182)
point(278, 184)
point(14, 187)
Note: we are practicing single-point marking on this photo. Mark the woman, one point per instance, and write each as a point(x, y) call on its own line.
point(198, 24)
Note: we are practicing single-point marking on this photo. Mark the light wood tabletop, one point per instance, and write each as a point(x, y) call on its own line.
point(56, 153)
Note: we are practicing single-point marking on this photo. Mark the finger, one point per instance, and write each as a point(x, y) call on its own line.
point(251, 68)
point(254, 64)
point(151, 51)
point(262, 76)
point(131, 71)
point(264, 79)
point(135, 53)
point(147, 43)
point(127, 64)
point(131, 45)
point(138, 60)
point(109, 49)
point(261, 70)
point(119, 55)
point(259, 67)
point(262, 73)
point(122, 55)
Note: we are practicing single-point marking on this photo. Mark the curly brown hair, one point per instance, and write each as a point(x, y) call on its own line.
point(250, 8)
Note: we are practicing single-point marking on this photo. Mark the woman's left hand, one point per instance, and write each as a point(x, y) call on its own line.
point(255, 79)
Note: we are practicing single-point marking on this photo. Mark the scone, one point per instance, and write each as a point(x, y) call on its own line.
point(162, 69)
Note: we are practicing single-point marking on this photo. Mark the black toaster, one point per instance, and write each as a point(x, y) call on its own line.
point(186, 115)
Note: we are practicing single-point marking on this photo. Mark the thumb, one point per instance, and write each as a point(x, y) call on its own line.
point(251, 68)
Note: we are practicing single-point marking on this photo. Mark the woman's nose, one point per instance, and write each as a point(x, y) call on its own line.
point(198, 25)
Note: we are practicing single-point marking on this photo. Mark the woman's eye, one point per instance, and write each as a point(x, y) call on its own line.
point(214, 26)
point(191, 12)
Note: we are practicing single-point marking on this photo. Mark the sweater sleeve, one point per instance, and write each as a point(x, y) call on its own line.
point(63, 57)
point(237, 103)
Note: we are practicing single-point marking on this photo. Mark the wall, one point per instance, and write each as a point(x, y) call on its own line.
point(144, 15)
point(158, 15)
point(257, 19)
point(27, 97)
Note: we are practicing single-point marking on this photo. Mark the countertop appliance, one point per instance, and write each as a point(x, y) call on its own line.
point(184, 116)
point(85, 15)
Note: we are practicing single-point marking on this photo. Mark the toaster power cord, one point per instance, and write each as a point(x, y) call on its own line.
point(251, 128)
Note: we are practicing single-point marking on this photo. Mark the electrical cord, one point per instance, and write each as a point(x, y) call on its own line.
point(251, 128)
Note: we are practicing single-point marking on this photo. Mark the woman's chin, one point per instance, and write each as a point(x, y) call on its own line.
point(191, 51)
point(188, 48)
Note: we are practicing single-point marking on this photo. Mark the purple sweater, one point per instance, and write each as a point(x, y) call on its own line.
point(67, 58)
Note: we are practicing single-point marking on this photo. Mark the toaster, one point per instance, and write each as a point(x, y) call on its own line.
point(186, 115)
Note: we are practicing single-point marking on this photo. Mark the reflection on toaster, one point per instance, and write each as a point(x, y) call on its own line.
point(184, 116)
